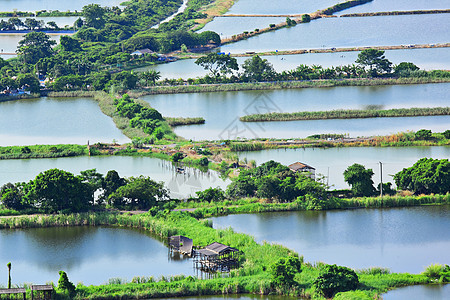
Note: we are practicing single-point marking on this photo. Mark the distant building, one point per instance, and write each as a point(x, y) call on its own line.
point(301, 167)
point(142, 52)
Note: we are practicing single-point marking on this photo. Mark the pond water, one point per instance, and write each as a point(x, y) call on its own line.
point(55, 121)
point(9, 42)
point(222, 110)
point(401, 239)
point(65, 5)
point(180, 185)
point(389, 5)
point(267, 7)
point(228, 26)
point(91, 255)
point(427, 59)
point(332, 162)
point(350, 32)
point(436, 292)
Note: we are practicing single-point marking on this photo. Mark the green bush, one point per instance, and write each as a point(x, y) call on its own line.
point(333, 279)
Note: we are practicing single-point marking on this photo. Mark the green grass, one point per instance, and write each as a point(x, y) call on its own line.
point(42, 151)
point(347, 114)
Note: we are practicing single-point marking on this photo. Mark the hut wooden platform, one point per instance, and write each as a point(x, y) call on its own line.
point(216, 257)
point(6, 293)
point(44, 292)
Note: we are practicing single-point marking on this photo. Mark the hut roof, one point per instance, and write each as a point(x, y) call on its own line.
point(217, 249)
point(299, 166)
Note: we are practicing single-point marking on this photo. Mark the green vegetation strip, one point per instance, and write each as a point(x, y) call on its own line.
point(42, 151)
point(347, 114)
point(398, 13)
point(253, 277)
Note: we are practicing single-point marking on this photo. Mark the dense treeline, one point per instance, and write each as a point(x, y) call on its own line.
point(102, 45)
point(60, 191)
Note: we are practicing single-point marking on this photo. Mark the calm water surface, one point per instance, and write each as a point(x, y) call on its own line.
point(9, 42)
point(350, 32)
point(267, 7)
point(180, 185)
point(65, 5)
point(55, 121)
point(435, 292)
point(91, 255)
point(332, 162)
point(226, 27)
point(222, 111)
point(401, 239)
point(389, 5)
point(427, 59)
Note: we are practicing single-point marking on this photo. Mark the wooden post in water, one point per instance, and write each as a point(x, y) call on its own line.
point(381, 177)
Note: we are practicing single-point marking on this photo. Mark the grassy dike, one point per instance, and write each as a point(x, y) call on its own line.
point(347, 114)
point(278, 85)
point(252, 277)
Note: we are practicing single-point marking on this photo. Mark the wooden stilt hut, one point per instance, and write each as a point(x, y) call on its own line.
point(181, 244)
point(216, 257)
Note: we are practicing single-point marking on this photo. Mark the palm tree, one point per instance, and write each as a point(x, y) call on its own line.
point(150, 76)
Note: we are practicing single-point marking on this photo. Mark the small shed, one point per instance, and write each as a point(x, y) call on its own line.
point(17, 291)
point(142, 52)
point(42, 291)
point(302, 167)
point(181, 244)
point(216, 257)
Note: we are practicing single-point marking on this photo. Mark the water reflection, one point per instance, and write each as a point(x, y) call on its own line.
point(356, 238)
point(88, 254)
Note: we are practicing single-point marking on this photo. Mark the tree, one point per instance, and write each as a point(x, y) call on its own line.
point(241, 187)
point(211, 194)
point(11, 196)
point(29, 82)
point(258, 69)
point(333, 279)
point(404, 68)
point(306, 18)
point(56, 190)
point(283, 271)
point(446, 134)
point(94, 15)
point(53, 25)
point(111, 183)
point(139, 193)
point(33, 24)
point(426, 176)
point(375, 60)
point(65, 286)
point(34, 46)
point(70, 44)
point(360, 180)
point(150, 76)
point(218, 63)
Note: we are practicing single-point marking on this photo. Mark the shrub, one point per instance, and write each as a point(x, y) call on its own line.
point(306, 18)
point(333, 279)
point(177, 157)
point(423, 134)
point(446, 134)
point(433, 271)
point(272, 25)
point(64, 285)
point(283, 271)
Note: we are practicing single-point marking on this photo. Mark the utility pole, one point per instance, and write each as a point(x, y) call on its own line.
point(381, 177)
